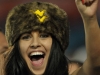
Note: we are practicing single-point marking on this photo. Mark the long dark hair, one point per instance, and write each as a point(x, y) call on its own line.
point(15, 64)
point(57, 63)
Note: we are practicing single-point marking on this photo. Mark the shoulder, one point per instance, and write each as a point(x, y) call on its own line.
point(77, 72)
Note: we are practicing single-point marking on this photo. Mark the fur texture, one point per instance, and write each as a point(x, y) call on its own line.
point(22, 19)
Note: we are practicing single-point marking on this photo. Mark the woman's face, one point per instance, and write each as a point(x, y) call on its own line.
point(35, 49)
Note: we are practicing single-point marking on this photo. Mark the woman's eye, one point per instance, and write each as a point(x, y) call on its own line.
point(44, 35)
point(26, 37)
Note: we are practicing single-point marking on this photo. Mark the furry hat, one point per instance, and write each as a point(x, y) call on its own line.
point(41, 16)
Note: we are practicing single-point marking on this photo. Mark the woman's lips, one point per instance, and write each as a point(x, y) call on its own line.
point(37, 58)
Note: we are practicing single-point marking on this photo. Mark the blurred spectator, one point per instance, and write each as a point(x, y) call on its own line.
point(3, 48)
point(3, 42)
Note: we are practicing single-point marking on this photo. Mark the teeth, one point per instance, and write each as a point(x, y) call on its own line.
point(36, 53)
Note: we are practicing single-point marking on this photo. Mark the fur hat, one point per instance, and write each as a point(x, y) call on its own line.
point(41, 16)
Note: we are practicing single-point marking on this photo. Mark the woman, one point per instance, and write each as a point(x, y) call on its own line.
point(38, 35)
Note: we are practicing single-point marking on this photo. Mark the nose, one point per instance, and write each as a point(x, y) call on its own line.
point(35, 43)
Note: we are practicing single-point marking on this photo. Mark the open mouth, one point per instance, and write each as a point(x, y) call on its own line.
point(37, 58)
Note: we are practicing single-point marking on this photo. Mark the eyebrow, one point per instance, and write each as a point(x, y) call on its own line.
point(4, 49)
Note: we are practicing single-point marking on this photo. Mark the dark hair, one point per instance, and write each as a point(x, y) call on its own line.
point(15, 64)
point(1, 30)
point(57, 63)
